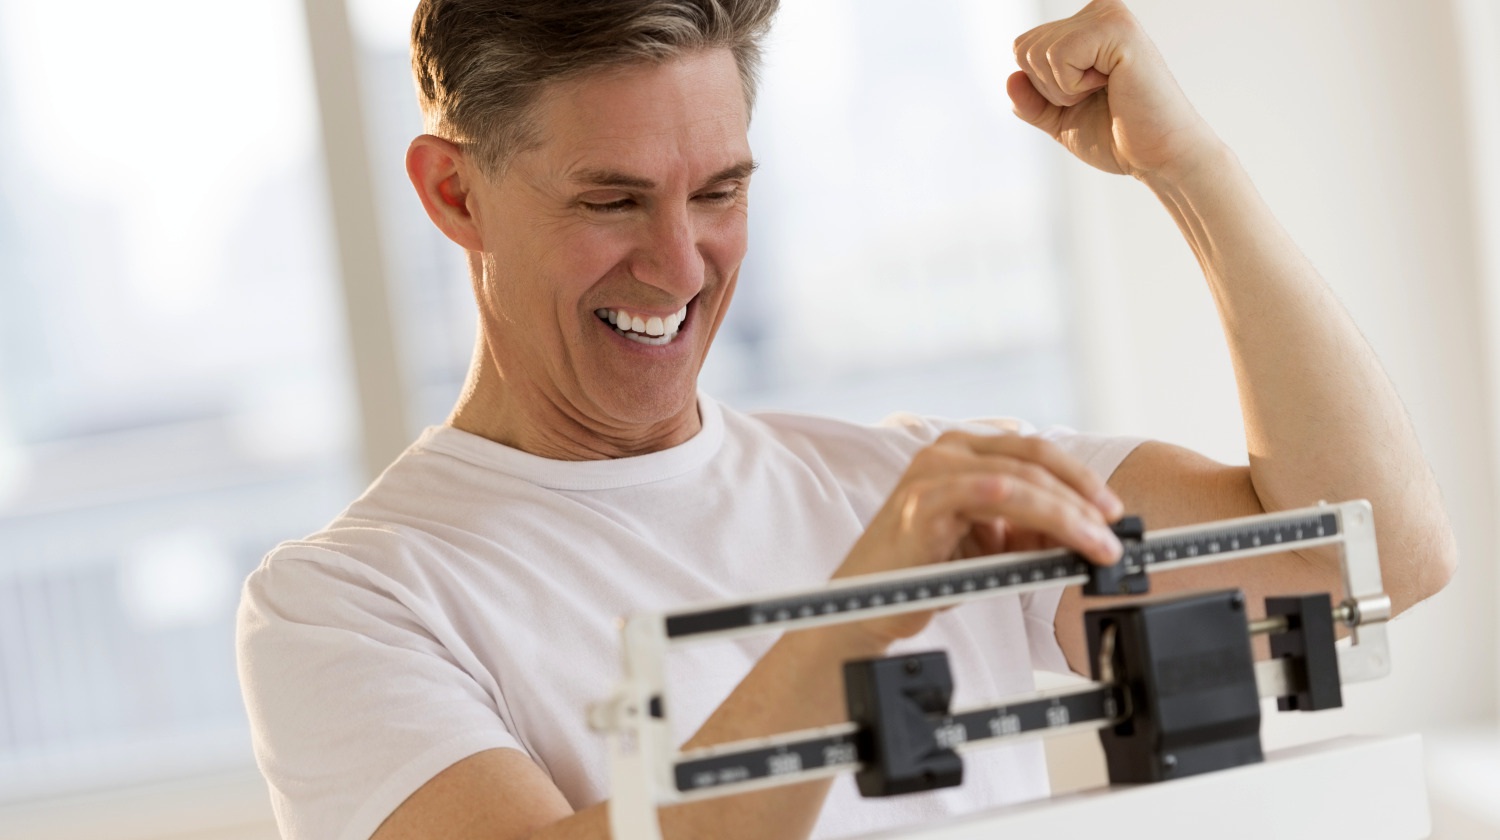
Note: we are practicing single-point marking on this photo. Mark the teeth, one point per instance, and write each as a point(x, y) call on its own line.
point(656, 341)
point(652, 329)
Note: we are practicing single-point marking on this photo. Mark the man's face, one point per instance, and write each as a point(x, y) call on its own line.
point(611, 250)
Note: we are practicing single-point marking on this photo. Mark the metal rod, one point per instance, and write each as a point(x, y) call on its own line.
point(1344, 614)
point(1273, 624)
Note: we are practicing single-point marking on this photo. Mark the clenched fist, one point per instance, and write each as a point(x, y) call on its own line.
point(1096, 83)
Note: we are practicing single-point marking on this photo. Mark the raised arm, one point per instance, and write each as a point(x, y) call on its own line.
point(1322, 420)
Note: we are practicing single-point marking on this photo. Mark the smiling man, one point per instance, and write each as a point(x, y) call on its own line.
point(421, 668)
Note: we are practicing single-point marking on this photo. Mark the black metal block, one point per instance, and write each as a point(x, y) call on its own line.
point(1187, 671)
point(1309, 643)
point(1124, 577)
point(891, 700)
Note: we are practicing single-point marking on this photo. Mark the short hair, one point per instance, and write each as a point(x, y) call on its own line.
point(481, 65)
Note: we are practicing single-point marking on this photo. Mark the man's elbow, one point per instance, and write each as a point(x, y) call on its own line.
point(1434, 560)
point(1445, 563)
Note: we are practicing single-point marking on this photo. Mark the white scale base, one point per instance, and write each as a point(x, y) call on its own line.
point(1372, 788)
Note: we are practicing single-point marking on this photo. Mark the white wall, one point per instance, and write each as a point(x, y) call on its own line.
point(1354, 119)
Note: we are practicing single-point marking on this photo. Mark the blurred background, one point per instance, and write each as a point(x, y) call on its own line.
point(222, 311)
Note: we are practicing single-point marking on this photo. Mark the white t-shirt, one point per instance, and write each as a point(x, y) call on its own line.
point(469, 600)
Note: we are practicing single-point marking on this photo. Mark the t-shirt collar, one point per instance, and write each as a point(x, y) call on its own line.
point(605, 474)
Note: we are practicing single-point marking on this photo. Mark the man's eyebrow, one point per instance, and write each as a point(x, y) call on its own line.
point(611, 178)
point(621, 180)
point(737, 172)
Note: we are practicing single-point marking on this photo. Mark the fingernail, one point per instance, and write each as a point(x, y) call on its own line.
point(1101, 538)
point(1110, 542)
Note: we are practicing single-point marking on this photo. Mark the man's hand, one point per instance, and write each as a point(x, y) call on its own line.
point(1096, 83)
point(969, 495)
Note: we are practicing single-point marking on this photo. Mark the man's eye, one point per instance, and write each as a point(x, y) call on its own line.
point(608, 206)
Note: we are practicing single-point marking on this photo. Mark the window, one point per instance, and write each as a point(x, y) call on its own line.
point(173, 396)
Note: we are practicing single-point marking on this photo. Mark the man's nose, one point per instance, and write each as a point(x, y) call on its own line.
point(670, 259)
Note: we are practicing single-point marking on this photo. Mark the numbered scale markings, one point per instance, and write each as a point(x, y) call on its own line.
point(841, 748)
point(1182, 546)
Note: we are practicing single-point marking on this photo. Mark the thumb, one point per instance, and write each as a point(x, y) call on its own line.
point(1030, 105)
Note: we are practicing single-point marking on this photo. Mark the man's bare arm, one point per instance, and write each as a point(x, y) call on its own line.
point(1322, 420)
point(502, 795)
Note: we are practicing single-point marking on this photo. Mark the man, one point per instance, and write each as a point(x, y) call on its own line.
point(421, 667)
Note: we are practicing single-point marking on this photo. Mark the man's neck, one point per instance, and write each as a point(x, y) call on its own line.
point(538, 424)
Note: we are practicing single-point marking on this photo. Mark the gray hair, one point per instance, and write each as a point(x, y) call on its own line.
point(481, 65)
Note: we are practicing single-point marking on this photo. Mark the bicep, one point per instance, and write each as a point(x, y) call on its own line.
point(498, 794)
point(1169, 486)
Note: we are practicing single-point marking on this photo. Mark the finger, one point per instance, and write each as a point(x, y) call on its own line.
point(1085, 83)
point(954, 454)
point(1075, 62)
point(984, 539)
point(1031, 57)
point(1023, 540)
point(938, 513)
point(991, 537)
point(1059, 59)
point(1031, 106)
point(1029, 507)
point(958, 452)
point(999, 537)
point(1034, 449)
point(949, 459)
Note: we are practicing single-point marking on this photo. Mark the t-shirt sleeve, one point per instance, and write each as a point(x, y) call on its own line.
point(353, 703)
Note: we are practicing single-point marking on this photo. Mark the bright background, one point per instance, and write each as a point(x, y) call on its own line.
point(221, 310)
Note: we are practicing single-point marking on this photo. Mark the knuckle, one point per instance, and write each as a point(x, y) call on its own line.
point(916, 500)
point(911, 512)
point(1032, 473)
point(920, 459)
point(952, 437)
point(927, 460)
point(1023, 42)
point(939, 534)
point(1037, 448)
point(1116, 14)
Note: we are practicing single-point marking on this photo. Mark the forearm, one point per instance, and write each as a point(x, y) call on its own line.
point(798, 684)
point(1322, 419)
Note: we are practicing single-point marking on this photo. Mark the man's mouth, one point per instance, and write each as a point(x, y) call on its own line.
point(646, 329)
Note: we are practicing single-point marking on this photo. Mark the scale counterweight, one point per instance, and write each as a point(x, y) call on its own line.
point(731, 768)
point(965, 579)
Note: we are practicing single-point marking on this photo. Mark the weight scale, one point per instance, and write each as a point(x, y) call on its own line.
point(1176, 693)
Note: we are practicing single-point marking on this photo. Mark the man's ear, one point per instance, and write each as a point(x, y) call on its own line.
point(443, 180)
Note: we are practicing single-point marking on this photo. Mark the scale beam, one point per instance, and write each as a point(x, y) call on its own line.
point(798, 756)
point(648, 771)
point(951, 583)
